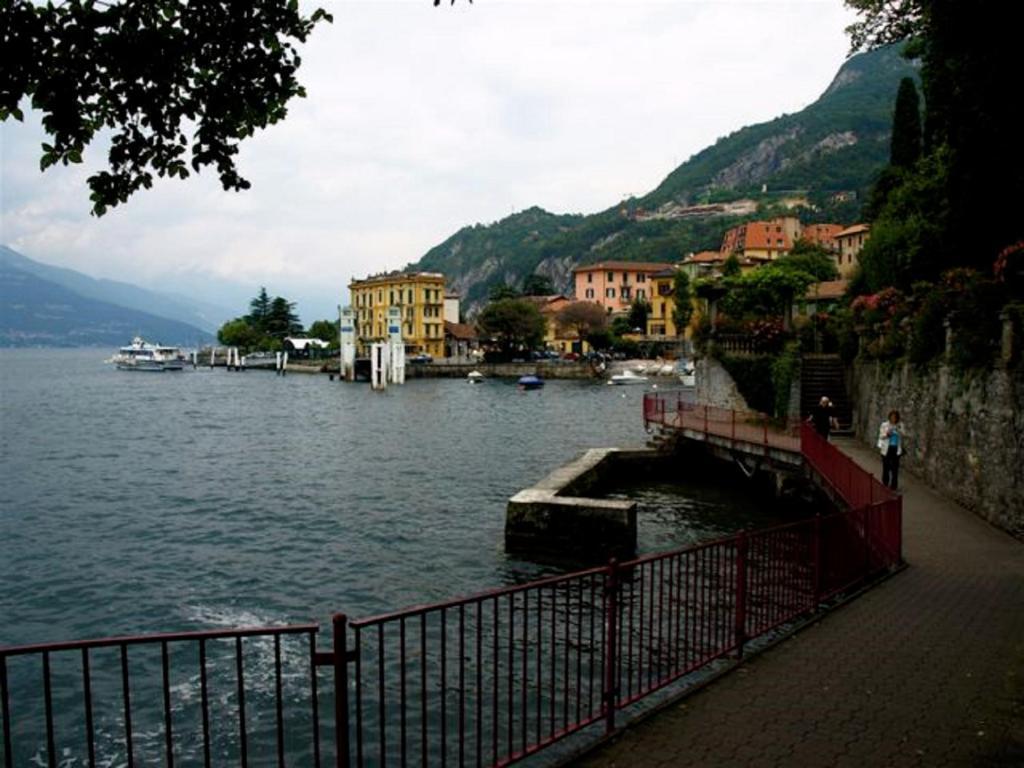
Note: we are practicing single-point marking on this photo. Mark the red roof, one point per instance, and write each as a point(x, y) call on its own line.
point(856, 229)
point(624, 266)
point(463, 331)
point(706, 257)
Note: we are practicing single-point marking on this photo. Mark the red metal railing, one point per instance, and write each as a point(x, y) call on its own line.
point(189, 696)
point(488, 679)
point(670, 409)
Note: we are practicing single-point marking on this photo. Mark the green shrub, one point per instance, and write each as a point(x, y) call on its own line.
point(785, 368)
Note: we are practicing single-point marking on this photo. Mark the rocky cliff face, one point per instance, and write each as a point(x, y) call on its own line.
point(838, 143)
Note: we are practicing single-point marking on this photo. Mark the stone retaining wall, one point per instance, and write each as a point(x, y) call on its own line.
point(964, 432)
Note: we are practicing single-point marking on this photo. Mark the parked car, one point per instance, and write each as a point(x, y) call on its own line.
point(421, 358)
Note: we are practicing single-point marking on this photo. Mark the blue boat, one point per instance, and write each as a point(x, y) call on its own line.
point(530, 382)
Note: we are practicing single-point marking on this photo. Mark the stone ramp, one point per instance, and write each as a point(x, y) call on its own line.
point(926, 669)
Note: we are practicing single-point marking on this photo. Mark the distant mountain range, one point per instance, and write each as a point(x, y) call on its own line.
point(42, 305)
point(827, 155)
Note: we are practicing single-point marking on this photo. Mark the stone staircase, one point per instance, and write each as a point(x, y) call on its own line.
point(824, 375)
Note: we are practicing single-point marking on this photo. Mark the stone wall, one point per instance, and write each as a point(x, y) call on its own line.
point(716, 387)
point(964, 432)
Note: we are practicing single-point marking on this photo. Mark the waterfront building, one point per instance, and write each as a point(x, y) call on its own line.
point(556, 337)
point(461, 341)
point(616, 284)
point(851, 241)
point(420, 298)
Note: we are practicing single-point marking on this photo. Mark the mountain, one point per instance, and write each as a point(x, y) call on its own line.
point(39, 312)
point(205, 316)
point(824, 157)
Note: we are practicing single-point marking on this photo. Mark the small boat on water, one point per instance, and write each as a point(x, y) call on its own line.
point(475, 377)
point(143, 356)
point(628, 377)
point(530, 382)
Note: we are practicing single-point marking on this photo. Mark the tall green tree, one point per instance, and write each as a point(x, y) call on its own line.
point(970, 66)
point(259, 311)
point(905, 146)
point(538, 285)
point(638, 313)
point(514, 323)
point(282, 320)
point(174, 86)
point(239, 333)
point(325, 330)
point(500, 291)
point(583, 317)
point(682, 301)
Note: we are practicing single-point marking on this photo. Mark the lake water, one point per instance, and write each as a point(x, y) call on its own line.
point(134, 503)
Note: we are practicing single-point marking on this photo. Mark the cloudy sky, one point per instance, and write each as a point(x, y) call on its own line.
point(421, 120)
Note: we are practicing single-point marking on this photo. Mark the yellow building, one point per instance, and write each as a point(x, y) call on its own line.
point(420, 298)
point(661, 319)
point(663, 302)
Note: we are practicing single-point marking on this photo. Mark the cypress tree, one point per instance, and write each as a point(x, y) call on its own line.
point(906, 126)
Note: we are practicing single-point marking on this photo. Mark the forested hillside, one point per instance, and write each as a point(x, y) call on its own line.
point(828, 153)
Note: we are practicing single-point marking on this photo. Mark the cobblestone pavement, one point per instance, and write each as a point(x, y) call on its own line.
point(927, 669)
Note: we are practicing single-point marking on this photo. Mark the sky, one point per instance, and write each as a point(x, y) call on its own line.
point(422, 120)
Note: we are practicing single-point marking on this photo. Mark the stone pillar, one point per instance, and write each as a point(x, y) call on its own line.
point(1006, 349)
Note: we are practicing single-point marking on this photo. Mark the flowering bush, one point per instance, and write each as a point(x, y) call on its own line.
point(767, 333)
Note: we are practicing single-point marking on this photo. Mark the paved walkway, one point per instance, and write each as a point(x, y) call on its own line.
point(926, 669)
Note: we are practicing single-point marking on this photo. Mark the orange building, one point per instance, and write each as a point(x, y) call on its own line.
point(822, 234)
point(616, 284)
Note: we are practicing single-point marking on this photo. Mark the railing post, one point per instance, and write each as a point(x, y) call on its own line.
point(341, 742)
point(740, 627)
point(816, 555)
point(705, 421)
point(611, 624)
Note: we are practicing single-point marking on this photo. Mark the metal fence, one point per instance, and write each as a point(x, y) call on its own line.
point(194, 697)
point(670, 409)
point(484, 680)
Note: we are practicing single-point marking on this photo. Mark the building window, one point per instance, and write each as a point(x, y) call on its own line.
point(625, 277)
point(590, 293)
point(609, 293)
point(641, 293)
point(625, 291)
point(590, 277)
point(641, 277)
point(611, 276)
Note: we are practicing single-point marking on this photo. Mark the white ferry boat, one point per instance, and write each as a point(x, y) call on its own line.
point(142, 356)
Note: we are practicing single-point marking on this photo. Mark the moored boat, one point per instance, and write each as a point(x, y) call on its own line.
point(475, 377)
point(142, 356)
point(628, 377)
point(530, 382)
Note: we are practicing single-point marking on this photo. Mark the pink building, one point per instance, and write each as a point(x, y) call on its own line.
point(616, 284)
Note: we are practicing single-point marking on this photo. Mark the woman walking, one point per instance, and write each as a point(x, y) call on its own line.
point(890, 445)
